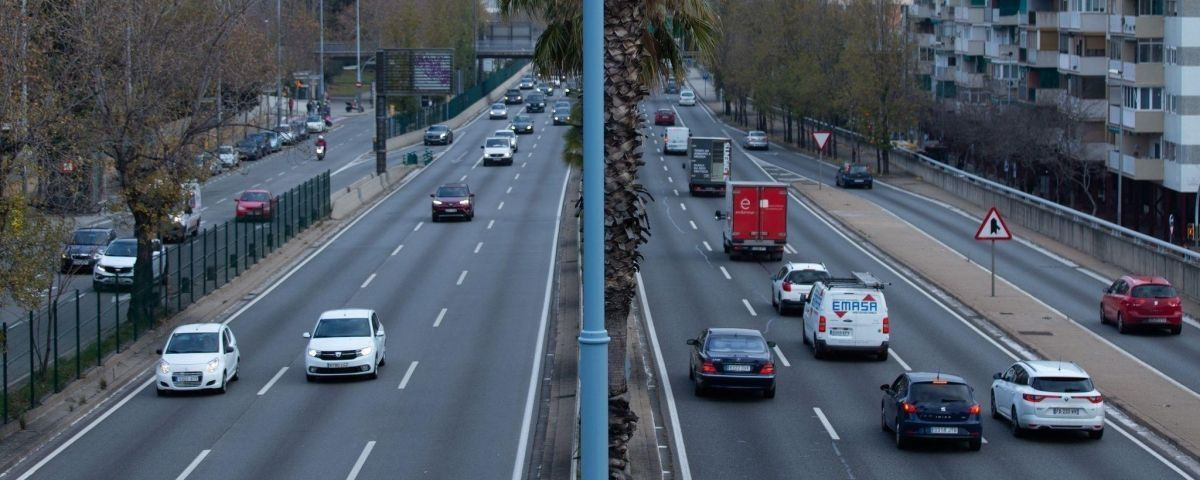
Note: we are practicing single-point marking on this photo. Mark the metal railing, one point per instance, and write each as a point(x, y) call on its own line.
point(402, 123)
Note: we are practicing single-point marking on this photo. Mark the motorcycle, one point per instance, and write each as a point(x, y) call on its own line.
point(354, 107)
point(320, 152)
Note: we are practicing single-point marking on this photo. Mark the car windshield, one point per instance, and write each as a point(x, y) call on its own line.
point(497, 107)
point(562, 111)
point(664, 112)
point(342, 327)
point(314, 118)
point(504, 133)
point(857, 169)
point(735, 344)
point(929, 392)
point(255, 197)
point(686, 93)
point(497, 142)
point(536, 98)
point(807, 277)
point(521, 119)
point(1062, 384)
point(757, 134)
point(89, 237)
point(193, 343)
point(452, 192)
point(225, 150)
point(1154, 291)
point(122, 248)
point(438, 128)
point(246, 143)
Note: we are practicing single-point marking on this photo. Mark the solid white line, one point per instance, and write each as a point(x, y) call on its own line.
point(1147, 448)
point(461, 276)
point(478, 246)
point(726, 273)
point(748, 307)
point(438, 321)
point(418, 227)
point(270, 383)
point(280, 174)
point(490, 223)
point(412, 366)
point(782, 358)
point(192, 466)
point(220, 201)
point(684, 207)
point(362, 458)
point(500, 207)
point(509, 190)
point(825, 421)
point(685, 470)
point(397, 250)
point(476, 163)
point(706, 245)
point(463, 178)
point(368, 281)
point(694, 227)
point(538, 352)
point(256, 185)
point(903, 364)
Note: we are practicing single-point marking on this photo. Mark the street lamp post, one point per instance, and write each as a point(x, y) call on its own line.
point(358, 62)
point(1120, 155)
point(321, 60)
point(278, 64)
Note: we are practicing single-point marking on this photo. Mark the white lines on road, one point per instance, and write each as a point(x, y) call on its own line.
point(725, 273)
point(676, 191)
point(478, 246)
point(899, 360)
point(783, 359)
point(517, 177)
point(271, 382)
point(665, 168)
point(368, 281)
point(219, 201)
point(684, 207)
point(749, 308)
point(259, 184)
point(362, 458)
point(684, 470)
point(490, 223)
point(476, 163)
point(438, 321)
point(671, 180)
point(192, 466)
point(706, 245)
point(787, 247)
point(280, 174)
point(825, 421)
point(397, 250)
point(408, 374)
point(693, 222)
point(463, 178)
point(461, 276)
point(539, 136)
point(523, 164)
point(534, 146)
point(508, 191)
point(418, 227)
point(500, 207)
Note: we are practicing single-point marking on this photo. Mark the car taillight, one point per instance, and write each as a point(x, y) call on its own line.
point(708, 367)
point(1029, 397)
point(887, 325)
point(908, 407)
point(1094, 399)
point(787, 286)
point(767, 368)
point(821, 324)
point(973, 409)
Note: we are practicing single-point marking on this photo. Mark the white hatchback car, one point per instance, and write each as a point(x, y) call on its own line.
point(345, 342)
point(1047, 395)
point(199, 356)
point(498, 110)
point(510, 135)
point(687, 97)
point(793, 282)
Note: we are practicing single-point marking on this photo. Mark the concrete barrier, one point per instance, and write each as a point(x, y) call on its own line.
point(347, 200)
point(409, 138)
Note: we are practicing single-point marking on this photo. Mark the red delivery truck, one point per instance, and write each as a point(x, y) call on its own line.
point(756, 223)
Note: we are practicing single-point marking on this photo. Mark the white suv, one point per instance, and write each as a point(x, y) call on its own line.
point(1047, 395)
point(199, 356)
point(792, 284)
point(511, 136)
point(345, 342)
point(497, 150)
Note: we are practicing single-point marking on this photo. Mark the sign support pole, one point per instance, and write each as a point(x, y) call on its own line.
point(993, 268)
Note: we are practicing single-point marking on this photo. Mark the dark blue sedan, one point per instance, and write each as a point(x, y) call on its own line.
point(732, 358)
point(935, 406)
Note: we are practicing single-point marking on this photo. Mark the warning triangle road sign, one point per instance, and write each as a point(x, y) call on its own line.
point(822, 138)
point(993, 227)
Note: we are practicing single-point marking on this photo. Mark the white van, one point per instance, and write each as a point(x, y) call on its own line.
point(185, 219)
point(847, 314)
point(676, 140)
point(687, 97)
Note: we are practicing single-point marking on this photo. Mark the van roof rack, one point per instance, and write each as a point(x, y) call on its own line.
point(860, 279)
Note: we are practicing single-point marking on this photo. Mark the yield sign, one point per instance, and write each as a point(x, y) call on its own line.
point(822, 137)
point(993, 227)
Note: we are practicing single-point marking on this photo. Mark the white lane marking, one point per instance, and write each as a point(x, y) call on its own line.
point(256, 185)
point(362, 458)
point(517, 177)
point(903, 364)
point(825, 421)
point(749, 308)
point(539, 136)
point(408, 374)
point(1147, 448)
point(677, 116)
point(500, 207)
point(192, 466)
point(280, 174)
point(694, 227)
point(418, 227)
point(534, 146)
point(478, 246)
point(789, 248)
point(706, 245)
point(684, 207)
point(490, 223)
point(509, 190)
point(782, 358)
point(220, 201)
point(368, 281)
point(984, 440)
point(726, 273)
point(271, 382)
point(438, 321)
point(685, 470)
point(671, 180)
point(665, 168)
point(523, 164)
point(476, 163)
point(676, 191)
point(397, 250)
point(463, 178)
point(518, 472)
point(461, 276)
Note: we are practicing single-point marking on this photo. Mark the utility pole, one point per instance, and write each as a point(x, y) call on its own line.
point(358, 60)
point(320, 93)
point(278, 64)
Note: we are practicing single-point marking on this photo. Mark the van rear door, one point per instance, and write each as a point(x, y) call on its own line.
point(858, 316)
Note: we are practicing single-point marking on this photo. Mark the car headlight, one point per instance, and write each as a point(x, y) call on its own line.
point(212, 365)
point(437, 202)
point(312, 352)
point(63, 256)
point(96, 256)
point(464, 202)
point(177, 218)
point(100, 269)
point(364, 352)
point(164, 367)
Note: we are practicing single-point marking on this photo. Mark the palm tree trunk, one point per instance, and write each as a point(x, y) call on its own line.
point(626, 224)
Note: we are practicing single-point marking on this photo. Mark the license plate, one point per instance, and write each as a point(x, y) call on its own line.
point(1155, 320)
point(839, 332)
point(1065, 411)
point(81, 262)
point(339, 364)
point(190, 378)
point(737, 368)
point(943, 430)
point(451, 210)
point(759, 249)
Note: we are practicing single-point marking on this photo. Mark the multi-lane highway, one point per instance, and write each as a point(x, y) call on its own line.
point(825, 420)
point(465, 308)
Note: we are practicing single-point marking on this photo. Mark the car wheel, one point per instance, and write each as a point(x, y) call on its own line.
point(1177, 330)
point(433, 218)
point(691, 373)
point(901, 442)
point(882, 356)
point(871, 186)
point(817, 349)
point(221, 389)
point(1015, 424)
point(310, 378)
point(235, 377)
point(383, 360)
point(1096, 434)
point(883, 425)
point(97, 287)
point(161, 392)
point(975, 444)
point(700, 391)
point(375, 372)
point(1121, 327)
point(995, 413)
point(769, 392)
point(1103, 319)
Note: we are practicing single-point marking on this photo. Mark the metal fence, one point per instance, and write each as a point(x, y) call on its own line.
point(53, 347)
point(409, 121)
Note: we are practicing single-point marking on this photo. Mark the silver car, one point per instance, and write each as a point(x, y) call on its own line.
point(756, 140)
point(498, 110)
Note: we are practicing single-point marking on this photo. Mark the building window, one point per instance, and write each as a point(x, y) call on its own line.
point(1156, 148)
point(1170, 9)
point(1150, 50)
point(1150, 7)
point(1168, 150)
point(1143, 98)
point(1172, 55)
point(1171, 99)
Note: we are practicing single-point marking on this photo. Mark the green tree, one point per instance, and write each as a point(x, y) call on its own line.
point(639, 51)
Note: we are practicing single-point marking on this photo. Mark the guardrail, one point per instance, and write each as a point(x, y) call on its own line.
point(402, 123)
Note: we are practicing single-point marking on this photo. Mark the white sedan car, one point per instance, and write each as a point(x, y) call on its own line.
point(1047, 395)
point(510, 135)
point(498, 110)
point(199, 356)
point(792, 284)
point(345, 342)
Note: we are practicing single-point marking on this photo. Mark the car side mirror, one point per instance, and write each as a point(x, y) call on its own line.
point(158, 351)
point(886, 388)
point(432, 196)
point(379, 333)
point(472, 195)
point(996, 376)
point(481, 147)
point(719, 215)
point(770, 344)
point(692, 341)
point(683, 165)
point(306, 335)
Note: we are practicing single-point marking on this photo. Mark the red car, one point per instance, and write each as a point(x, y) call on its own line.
point(1142, 301)
point(254, 204)
point(664, 116)
point(453, 200)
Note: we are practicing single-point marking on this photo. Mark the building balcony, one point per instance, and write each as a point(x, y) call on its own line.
point(1000, 51)
point(944, 74)
point(1046, 96)
point(1084, 109)
point(1004, 20)
point(925, 40)
point(1139, 26)
point(969, 14)
point(968, 47)
point(968, 80)
point(1142, 74)
point(1087, 66)
point(1137, 168)
point(1043, 21)
point(1142, 121)
point(1084, 22)
point(918, 10)
point(1042, 58)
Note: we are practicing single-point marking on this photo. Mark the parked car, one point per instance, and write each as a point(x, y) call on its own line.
point(756, 140)
point(228, 156)
point(731, 358)
point(453, 200)
point(439, 134)
point(198, 356)
point(1047, 395)
point(85, 248)
point(349, 341)
point(286, 135)
point(300, 130)
point(315, 124)
point(498, 111)
point(854, 175)
point(1142, 301)
point(250, 148)
point(664, 116)
point(512, 96)
point(522, 124)
point(254, 204)
point(274, 140)
point(115, 266)
point(931, 406)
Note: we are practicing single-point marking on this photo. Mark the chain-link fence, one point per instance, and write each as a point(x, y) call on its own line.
point(408, 121)
point(53, 347)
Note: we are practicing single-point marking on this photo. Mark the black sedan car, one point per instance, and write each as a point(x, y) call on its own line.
point(439, 134)
point(732, 358)
point(512, 96)
point(562, 115)
point(854, 175)
point(934, 406)
point(85, 247)
point(251, 148)
point(522, 124)
point(535, 103)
